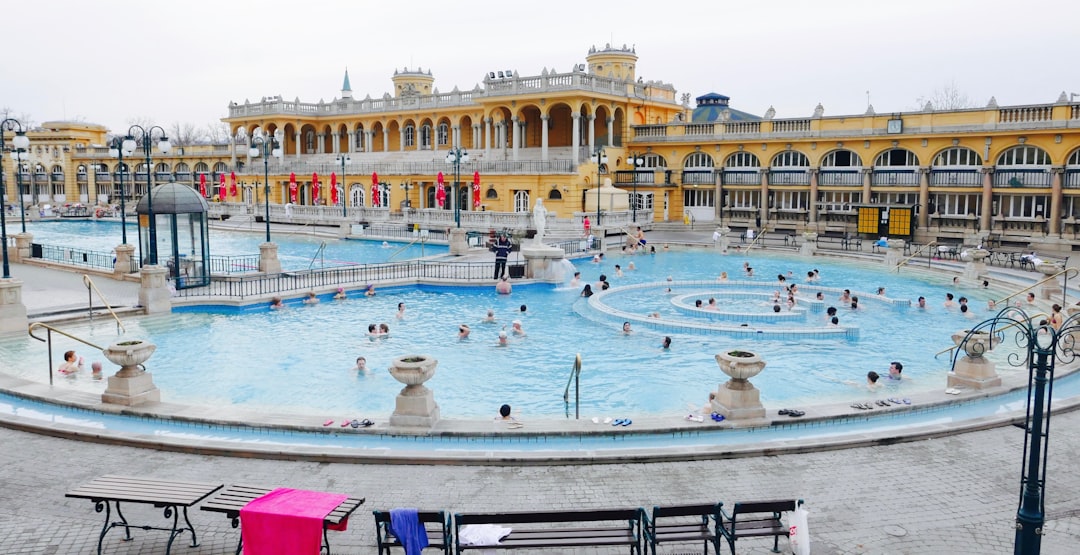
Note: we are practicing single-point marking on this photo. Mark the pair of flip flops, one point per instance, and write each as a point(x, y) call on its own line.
point(862, 406)
point(694, 418)
point(717, 417)
point(791, 412)
point(898, 401)
point(622, 422)
point(354, 423)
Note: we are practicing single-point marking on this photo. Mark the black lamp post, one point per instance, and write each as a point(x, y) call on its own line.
point(601, 159)
point(1043, 346)
point(118, 150)
point(20, 143)
point(637, 161)
point(20, 155)
point(457, 157)
point(145, 137)
point(345, 161)
point(269, 148)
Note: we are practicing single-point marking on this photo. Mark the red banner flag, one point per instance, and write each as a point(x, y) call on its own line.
point(292, 188)
point(314, 188)
point(333, 189)
point(374, 189)
point(223, 191)
point(232, 190)
point(202, 184)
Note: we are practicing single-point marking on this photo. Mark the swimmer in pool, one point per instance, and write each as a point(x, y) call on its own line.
point(503, 339)
point(516, 329)
point(72, 363)
point(490, 318)
point(401, 311)
point(361, 365)
point(340, 295)
point(463, 332)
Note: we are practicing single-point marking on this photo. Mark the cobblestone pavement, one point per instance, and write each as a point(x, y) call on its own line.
point(953, 495)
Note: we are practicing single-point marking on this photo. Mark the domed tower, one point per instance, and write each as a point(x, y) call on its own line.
point(613, 62)
point(412, 83)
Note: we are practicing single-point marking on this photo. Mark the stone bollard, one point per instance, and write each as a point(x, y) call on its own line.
point(122, 266)
point(894, 253)
point(415, 405)
point(12, 310)
point(22, 246)
point(973, 370)
point(459, 242)
point(738, 399)
point(131, 385)
point(809, 246)
point(154, 294)
point(1049, 289)
point(268, 258)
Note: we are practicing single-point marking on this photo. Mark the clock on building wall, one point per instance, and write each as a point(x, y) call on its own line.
point(895, 126)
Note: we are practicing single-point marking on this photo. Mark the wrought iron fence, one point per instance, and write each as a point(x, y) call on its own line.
point(73, 256)
point(234, 264)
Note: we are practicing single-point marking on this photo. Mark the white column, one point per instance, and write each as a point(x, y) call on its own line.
point(232, 152)
point(611, 131)
point(298, 146)
point(476, 134)
point(516, 136)
point(487, 138)
point(592, 133)
point(351, 142)
point(369, 138)
point(576, 143)
point(386, 140)
point(401, 138)
point(544, 136)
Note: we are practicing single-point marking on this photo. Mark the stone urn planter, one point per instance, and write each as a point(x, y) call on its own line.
point(738, 399)
point(129, 356)
point(973, 371)
point(978, 255)
point(132, 384)
point(976, 345)
point(415, 405)
point(1049, 268)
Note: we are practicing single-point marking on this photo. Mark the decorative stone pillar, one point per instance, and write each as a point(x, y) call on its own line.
point(1049, 288)
point(894, 254)
point(738, 399)
point(415, 405)
point(976, 263)
point(268, 258)
point(973, 370)
point(131, 385)
point(22, 246)
point(809, 245)
point(122, 266)
point(154, 294)
point(459, 243)
point(12, 310)
point(544, 263)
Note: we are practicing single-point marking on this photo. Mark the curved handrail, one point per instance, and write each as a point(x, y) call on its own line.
point(916, 253)
point(89, 283)
point(48, 340)
point(320, 251)
point(575, 378)
point(756, 239)
point(1066, 271)
point(402, 249)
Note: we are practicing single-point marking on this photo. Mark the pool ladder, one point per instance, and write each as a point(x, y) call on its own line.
point(575, 379)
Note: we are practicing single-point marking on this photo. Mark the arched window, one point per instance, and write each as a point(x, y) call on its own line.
point(425, 137)
point(790, 159)
point(790, 167)
point(958, 156)
point(410, 135)
point(81, 171)
point(896, 157)
point(654, 161)
point(182, 168)
point(491, 194)
point(742, 160)
point(221, 167)
point(444, 134)
point(698, 160)
point(1024, 156)
point(201, 167)
point(521, 201)
point(841, 159)
point(958, 165)
point(555, 194)
point(1074, 158)
point(356, 195)
point(1023, 166)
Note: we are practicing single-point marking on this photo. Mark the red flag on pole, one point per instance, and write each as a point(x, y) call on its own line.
point(333, 189)
point(232, 190)
point(292, 188)
point(374, 189)
point(222, 190)
point(314, 188)
point(202, 184)
point(440, 192)
point(476, 189)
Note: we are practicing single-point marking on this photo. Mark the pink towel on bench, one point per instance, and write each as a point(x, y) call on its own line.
point(286, 521)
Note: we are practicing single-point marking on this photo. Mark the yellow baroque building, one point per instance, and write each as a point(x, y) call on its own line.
point(1008, 174)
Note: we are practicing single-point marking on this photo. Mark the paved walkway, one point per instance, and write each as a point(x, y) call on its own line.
point(951, 495)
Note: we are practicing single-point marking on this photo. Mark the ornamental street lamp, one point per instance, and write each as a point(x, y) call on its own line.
point(269, 148)
point(406, 186)
point(637, 161)
point(345, 161)
point(457, 157)
point(20, 143)
point(20, 155)
point(118, 150)
point(601, 159)
point(145, 137)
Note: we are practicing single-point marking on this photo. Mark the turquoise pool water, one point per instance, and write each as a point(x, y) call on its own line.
point(297, 251)
point(299, 359)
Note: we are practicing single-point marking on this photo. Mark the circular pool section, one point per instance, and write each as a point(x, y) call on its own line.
point(300, 359)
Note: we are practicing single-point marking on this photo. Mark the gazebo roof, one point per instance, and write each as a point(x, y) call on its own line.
point(173, 198)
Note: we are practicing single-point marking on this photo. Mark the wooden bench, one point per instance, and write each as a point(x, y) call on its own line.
point(756, 519)
point(173, 495)
point(683, 524)
point(558, 529)
point(233, 498)
point(437, 524)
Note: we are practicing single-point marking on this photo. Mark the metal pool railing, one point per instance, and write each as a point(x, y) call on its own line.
point(73, 256)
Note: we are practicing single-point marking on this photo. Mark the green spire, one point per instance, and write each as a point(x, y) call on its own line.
point(346, 86)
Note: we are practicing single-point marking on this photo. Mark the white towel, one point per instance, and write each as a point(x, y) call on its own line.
point(483, 534)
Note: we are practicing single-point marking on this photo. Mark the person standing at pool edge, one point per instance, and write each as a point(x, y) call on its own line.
point(502, 248)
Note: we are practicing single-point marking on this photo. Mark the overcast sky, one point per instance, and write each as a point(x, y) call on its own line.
point(114, 61)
